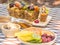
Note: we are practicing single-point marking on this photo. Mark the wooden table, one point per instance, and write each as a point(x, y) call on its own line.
point(54, 24)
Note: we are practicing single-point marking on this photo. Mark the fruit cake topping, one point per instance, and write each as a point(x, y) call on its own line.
point(11, 5)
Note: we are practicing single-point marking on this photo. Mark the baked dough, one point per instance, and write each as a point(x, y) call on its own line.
point(4, 19)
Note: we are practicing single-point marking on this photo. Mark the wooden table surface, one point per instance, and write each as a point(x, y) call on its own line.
point(54, 24)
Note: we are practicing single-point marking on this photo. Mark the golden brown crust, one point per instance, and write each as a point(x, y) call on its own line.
point(4, 19)
point(39, 31)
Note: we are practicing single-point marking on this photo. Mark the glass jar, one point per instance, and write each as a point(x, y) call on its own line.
point(43, 17)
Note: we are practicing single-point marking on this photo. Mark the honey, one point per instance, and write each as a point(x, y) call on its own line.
point(43, 17)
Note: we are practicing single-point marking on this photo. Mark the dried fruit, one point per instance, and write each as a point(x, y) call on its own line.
point(17, 4)
point(36, 21)
point(44, 35)
point(47, 38)
point(36, 8)
point(31, 7)
point(11, 5)
point(44, 39)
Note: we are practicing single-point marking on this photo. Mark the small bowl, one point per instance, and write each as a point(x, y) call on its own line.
point(10, 31)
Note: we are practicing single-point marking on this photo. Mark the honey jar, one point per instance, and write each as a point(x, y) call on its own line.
point(43, 17)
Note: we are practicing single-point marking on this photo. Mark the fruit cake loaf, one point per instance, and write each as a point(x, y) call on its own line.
point(23, 11)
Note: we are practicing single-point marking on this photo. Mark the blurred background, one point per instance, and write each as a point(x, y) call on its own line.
point(49, 3)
